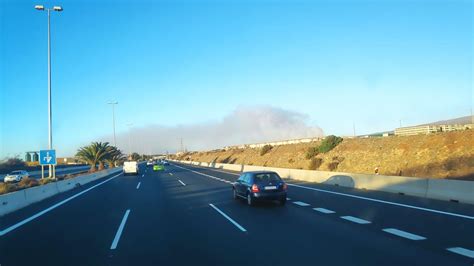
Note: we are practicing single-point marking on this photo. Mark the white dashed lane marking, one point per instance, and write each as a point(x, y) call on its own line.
point(300, 203)
point(462, 251)
point(323, 210)
point(355, 220)
point(228, 218)
point(138, 186)
point(181, 182)
point(403, 234)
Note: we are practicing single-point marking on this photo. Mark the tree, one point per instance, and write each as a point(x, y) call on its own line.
point(94, 154)
point(114, 156)
point(135, 156)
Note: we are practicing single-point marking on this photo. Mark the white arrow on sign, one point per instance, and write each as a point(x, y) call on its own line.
point(48, 158)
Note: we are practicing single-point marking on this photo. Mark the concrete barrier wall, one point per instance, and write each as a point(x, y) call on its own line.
point(19, 199)
point(443, 189)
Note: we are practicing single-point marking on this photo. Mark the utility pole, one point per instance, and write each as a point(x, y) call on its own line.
point(50, 111)
point(113, 120)
point(182, 146)
point(354, 128)
point(129, 138)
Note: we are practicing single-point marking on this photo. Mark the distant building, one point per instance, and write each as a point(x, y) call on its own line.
point(428, 129)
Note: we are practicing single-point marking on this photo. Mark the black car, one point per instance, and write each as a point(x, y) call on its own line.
point(260, 185)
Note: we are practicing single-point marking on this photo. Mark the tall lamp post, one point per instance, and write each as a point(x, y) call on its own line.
point(129, 138)
point(50, 112)
point(113, 119)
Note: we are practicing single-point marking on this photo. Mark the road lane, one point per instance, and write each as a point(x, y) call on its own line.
point(77, 233)
point(172, 224)
point(444, 231)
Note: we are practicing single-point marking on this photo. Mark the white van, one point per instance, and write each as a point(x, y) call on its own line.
point(130, 167)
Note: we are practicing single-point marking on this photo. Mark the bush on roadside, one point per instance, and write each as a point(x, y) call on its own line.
point(333, 166)
point(329, 143)
point(265, 149)
point(7, 188)
point(315, 163)
point(311, 152)
point(28, 182)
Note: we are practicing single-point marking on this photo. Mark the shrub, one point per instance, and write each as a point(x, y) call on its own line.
point(311, 152)
point(333, 166)
point(265, 149)
point(291, 160)
point(315, 163)
point(7, 188)
point(329, 143)
point(28, 182)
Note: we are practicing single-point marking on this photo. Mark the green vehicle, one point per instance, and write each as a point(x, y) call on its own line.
point(158, 167)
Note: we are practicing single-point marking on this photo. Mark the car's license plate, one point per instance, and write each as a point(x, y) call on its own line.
point(270, 187)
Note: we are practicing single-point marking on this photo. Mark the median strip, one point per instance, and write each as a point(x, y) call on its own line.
point(228, 218)
point(120, 229)
point(403, 234)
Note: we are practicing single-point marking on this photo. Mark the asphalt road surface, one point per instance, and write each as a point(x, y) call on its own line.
point(185, 215)
point(59, 171)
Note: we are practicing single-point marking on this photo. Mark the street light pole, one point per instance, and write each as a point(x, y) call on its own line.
point(129, 138)
point(113, 120)
point(50, 111)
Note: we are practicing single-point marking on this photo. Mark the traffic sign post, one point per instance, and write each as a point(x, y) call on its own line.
point(48, 157)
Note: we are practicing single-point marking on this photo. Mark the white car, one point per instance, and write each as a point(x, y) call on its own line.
point(16, 176)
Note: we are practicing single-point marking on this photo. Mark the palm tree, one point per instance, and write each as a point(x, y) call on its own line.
point(94, 154)
point(114, 156)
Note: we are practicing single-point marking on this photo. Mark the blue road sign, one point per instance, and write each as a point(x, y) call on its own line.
point(47, 157)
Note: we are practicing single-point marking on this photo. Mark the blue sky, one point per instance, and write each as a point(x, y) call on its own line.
point(169, 63)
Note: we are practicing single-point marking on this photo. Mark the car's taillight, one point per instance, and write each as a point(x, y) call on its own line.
point(255, 188)
point(285, 186)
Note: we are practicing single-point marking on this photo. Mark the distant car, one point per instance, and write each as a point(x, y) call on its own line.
point(16, 176)
point(260, 185)
point(149, 163)
point(130, 167)
point(166, 163)
point(158, 167)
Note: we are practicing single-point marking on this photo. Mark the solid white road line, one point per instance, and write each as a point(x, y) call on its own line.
point(300, 203)
point(119, 231)
point(386, 202)
point(138, 186)
point(404, 234)
point(462, 251)
point(326, 211)
point(364, 198)
point(228, 218)
point(181, 182)
point(355, 220)
point(15, 226)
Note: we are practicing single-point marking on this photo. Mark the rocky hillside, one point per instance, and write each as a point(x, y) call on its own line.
point(442, 155)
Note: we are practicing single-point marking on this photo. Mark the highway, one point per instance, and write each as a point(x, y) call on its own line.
point(59, 171)
point(186, 215)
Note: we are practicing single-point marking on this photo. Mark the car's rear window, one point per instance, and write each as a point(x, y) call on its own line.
point(266, 177)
